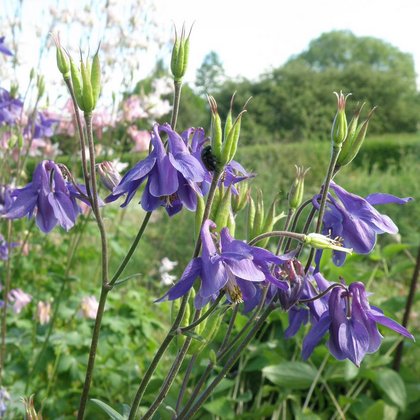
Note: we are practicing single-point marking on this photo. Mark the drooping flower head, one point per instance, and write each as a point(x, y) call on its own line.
point(352, 324)
point(356, 221)
point(227, 265)
point(20, 299)
point(10, 108)
point(171, 175)
point(49, 196)
point(3, 47)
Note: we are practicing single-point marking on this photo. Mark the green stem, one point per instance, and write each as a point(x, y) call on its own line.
point(169, 337)
point(296, 217)
point(133, 247)
point(82, 141)
point(6, 291)
point(185, 381)
point(202, 317)
point(177, 99)
point(334, 156)
point(228, 365)
point(105, 282)
point(286, 228)
point(278, 233)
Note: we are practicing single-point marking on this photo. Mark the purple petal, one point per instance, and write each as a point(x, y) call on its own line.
point(245, 269)
point(381, 198)
point(163, 178)
point(45, 217)
point(376, 315)
point(298, 316)
point(315, 335)
point(148, 201)
point(26, 199)
point(188, 165)
point(191, 272)
point(63, 209)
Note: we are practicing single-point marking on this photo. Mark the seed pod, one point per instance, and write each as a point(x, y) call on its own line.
point(77, 83)
point(250, 219)
point(95, 77)
point(87, 87)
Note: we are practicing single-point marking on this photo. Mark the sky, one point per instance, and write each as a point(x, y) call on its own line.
point(252, 37)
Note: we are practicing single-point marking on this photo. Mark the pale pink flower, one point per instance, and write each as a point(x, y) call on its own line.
point(89, 307)
point(43, 312)
point(141, 138)
point(134, 109)
point(20, 299)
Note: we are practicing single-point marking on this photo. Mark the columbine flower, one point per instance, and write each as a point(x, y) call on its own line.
point(352, 324)
point(354, 220)
point(5, 199)
point(3, 48)
point(108, 174)
point(230, 265)
point(43, 312)
point(42, 126)
point(4, 248)
point(50, 196)
point(89, 307)
point(172, 175)
point(20, 299)
point(10, 108)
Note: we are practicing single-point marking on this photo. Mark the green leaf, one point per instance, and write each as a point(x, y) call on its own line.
point(392, 387)
point(294, 375)
point(393, 249)
point(113, 414)
point(381, 411)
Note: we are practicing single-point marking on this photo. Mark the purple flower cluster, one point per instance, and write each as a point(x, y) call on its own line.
point(355, 221)
point(49, 196)
point(174, 174)
point(229, 265)
point(345, 313)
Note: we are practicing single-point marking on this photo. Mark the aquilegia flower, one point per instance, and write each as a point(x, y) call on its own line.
point(230, 265)
point(49, 196)
point(356, 221)
point(5, 199)
point(10, 108)
point(352, 324)
point(20, 299)
point(4, 248)
point(172, 175)
point(3, 48)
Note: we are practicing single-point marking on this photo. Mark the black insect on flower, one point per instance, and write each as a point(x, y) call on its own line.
point(208, 158)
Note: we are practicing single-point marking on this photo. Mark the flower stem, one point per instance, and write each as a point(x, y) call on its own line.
point(177, 99)
point(286, 228)
point(105, 282)
point(278, 233)
point(133, 247)
point(336, 149)
point(410, 300)
point(226, 368)
point(6, 291)
point(169, 337)
point(296, 217)
point(82, 142)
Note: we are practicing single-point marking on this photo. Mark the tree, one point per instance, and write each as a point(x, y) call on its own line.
point(211, 74)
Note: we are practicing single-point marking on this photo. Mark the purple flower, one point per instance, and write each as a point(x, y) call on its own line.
point(49, 196)
point(356, 221)
point(352, 324)
point(5, 199)
point(3, 48)
point(234, 172)
point(230, 265)
point(10, 108)
point(41, 126)
point(20, 299)
point(172, 175)
point(4, 248)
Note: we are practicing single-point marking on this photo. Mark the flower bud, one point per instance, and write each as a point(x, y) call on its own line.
point(223, 209)
point(95, 77)
point(180, 52)
point(352, 144)
point(239, 201)
point(295, 195)
point(318, 241)
point(217, 136)
point(250, 219)
point(339, 127)
point(108, 174)
point(40, 84)
point(62, 59)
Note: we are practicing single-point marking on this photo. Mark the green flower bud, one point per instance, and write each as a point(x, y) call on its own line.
point(295, 195)
point(250, 219)
point(318, 241)
point(239, 201)
point(95, 77)
point(180, 53)
point(339, 127)
point(76, 80)
point(223, 209)
point(61, 57)
point(40, 84)
point(352, 144)
point(87, 92)
point(217, 135)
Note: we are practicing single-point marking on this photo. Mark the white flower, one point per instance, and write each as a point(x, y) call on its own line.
point(89, 307)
